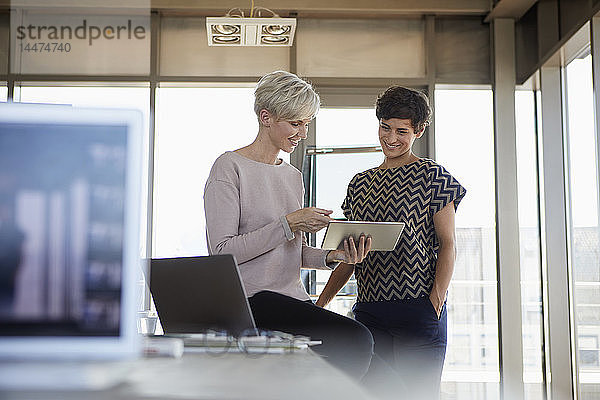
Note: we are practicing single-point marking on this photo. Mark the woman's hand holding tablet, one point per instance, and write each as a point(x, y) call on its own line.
point(351, 254)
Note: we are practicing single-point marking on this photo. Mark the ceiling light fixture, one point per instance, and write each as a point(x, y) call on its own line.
point(234, 29)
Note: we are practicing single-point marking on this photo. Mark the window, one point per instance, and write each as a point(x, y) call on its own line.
point(463, 354)
point(137, 98)
point(194, 125)
point(347, 127)
point(334, 172)
point(100, 96)
point(584, 240)
point(588, 350)
point(464, 122)
point(340, 129)
point(3, 93)
point(529, 243)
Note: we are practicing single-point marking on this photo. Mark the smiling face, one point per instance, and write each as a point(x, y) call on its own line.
point(286, 135)
point(397, 137)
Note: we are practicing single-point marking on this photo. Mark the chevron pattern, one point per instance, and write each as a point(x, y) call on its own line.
point(412, 194)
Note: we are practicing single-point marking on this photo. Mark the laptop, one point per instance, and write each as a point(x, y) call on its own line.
point(198, 294)
point(70, 183)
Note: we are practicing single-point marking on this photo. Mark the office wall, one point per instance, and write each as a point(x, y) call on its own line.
point(337, 48)
point(361, 48)
point(325, 48)
point(462, 51)
point(4, 27)
point(89, 42)
point(184, 51)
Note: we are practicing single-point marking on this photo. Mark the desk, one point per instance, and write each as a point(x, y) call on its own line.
point(301, 376)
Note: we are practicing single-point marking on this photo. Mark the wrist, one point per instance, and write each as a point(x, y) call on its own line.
point(329, 257)
point(324, 299)
point(334, 256)
point(437, 306)
point(289, 234)
point(433, 297)
point(436, 297)
point(293, 226)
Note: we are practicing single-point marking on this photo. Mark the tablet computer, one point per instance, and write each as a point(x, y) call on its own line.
point(384, 235)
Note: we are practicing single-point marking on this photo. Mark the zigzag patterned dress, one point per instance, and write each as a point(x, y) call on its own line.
point(411, 193)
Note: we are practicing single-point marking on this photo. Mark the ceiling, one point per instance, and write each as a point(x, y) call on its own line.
point(300, 8)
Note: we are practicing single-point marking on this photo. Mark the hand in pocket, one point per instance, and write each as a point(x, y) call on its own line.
point(436, 304)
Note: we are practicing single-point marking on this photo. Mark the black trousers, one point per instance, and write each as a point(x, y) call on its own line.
point(410, 341)
point(347, 344)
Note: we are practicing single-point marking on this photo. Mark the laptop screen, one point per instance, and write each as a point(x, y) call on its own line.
point(62, 202)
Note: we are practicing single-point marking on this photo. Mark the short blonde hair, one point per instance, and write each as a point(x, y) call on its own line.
point(286, 96)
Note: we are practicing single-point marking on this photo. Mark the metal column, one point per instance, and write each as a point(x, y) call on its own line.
point(507, 218)
point(555, 228)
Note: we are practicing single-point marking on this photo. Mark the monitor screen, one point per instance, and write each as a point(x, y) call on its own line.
point(62, 224)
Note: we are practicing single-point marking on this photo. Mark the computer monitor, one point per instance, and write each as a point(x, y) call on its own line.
point(70, 182)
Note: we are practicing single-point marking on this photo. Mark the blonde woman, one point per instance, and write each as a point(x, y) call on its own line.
point(254, 210)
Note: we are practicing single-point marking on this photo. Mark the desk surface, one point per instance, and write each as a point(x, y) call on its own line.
point(229, 376)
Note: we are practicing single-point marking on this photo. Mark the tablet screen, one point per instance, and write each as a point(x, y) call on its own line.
point(384, 235)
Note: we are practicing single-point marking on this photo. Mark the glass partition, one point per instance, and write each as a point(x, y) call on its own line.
point(583, 230)
point(104, 96)
point(333, 173)
point(347, 143)
point(194, 125)
point(464, 142)
point(339, 127)
point(529, 244)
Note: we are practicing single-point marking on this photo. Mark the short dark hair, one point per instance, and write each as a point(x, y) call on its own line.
point(404, 103)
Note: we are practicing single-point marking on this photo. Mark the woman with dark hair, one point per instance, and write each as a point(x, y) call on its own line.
point(402, 293)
